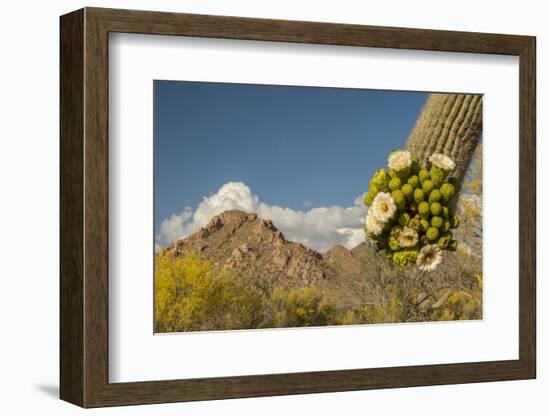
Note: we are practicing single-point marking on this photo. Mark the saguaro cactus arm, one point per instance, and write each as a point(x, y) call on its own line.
point(450, 124)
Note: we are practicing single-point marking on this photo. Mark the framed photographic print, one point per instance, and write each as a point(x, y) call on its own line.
point(256, 207)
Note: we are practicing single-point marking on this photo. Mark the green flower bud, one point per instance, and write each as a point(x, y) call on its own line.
point(414, 181)
point(424, 224)
point(368, 199)
point(435, 196)
point(445, 212)
point(402, 257)
point(435, 208)
point(418, 195)
point(437, 175)
point(457, 184)
point(399, 259)
point(371, 194)
point(432, 233)
point(393, 244)
point(408, 191)
point(447, 191)
point(427, 186)
point(436, 221)
point(411, 254)
point(444, 241)
point(399, 199)
point(423, 175)
point(394, 184)
point(455, 222)
point(403, 219)
point(446, 226)
point(380, 179)
point(424, 209)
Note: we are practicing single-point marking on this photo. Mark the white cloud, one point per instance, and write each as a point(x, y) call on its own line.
point(173, 228)
point(318, 228)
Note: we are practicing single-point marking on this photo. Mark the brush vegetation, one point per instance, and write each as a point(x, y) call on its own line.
point(192, 296)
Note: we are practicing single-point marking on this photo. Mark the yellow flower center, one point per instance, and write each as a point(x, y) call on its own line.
point(384, 207)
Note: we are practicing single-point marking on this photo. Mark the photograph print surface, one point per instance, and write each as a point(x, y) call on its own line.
point(286, 206)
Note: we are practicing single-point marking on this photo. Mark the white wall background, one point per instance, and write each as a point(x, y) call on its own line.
point(29, 159)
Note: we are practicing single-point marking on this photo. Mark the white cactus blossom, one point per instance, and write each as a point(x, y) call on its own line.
point(399, 160)
point(429, 258)
point(383, 207)
point(408, 237)
point(443, 162)
point(372, 224)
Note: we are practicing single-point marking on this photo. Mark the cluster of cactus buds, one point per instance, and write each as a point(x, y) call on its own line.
point(410, 216)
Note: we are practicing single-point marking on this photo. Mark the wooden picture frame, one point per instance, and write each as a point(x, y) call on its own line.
point(84, 207)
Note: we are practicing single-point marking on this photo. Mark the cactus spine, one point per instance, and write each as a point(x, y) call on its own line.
point(450, 124)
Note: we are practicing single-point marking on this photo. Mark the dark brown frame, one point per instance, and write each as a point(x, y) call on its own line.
point(84, 207)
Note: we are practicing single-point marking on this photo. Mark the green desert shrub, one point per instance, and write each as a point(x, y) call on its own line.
point(391, 306)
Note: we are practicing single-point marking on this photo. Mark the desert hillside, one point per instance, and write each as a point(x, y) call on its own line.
point(250, 246)
point(240, 272)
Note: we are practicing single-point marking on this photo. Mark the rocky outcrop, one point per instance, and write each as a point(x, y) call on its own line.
point(343, 262)
point(253, 247)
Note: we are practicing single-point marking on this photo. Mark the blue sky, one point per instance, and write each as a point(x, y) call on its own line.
point(294, 147)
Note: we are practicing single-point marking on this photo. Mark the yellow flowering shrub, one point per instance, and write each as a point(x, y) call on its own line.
point(459, 306)
point(190, 297)
point(307, 306)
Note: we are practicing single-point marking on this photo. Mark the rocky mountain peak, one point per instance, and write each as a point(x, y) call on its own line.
point(249, 245)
